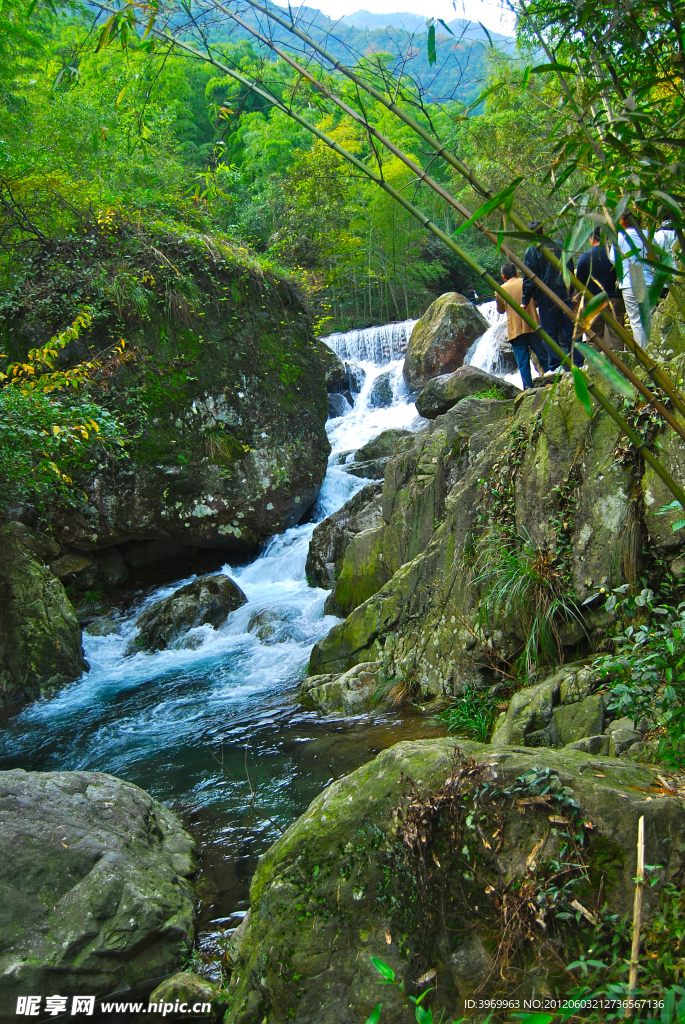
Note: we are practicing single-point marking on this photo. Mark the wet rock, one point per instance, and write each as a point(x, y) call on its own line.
point(441, 393)
point(40, 638)
point(351, 693)
point(345, 852)
point(371, 470)
point(441, 338)
point(93, 880)
point(380, 395)
point(354, 377)
point(275, 626)
point(387, 443)
point(113, 571)
point(338, 405)
point(102, 627)
point(186, 987)
point(208, 599)
point(332, 536)
point(335, 374)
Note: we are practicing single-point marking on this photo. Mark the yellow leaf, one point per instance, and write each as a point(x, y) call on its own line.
point(56, 429)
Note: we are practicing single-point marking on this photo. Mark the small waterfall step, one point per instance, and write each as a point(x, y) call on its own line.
point(379, 345)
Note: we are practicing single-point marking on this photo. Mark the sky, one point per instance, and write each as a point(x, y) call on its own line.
point(489, 12)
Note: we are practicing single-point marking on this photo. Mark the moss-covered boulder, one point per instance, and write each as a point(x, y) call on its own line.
point(40, 638)
point(208, 600)
point(221, 383)
point(441, 338)
point(441, 393)
point(93, 885)
point(352, 692)
point(537, 469)
point(445, 867)
point(331, 537)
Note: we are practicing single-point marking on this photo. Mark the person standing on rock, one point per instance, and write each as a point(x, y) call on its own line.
point(635, 276)
point(598, 274)
point(552, 320)
point(522, 338)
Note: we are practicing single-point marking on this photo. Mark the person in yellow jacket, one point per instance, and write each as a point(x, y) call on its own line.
point(522, 338)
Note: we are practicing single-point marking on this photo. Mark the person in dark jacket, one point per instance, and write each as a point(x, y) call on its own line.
point(552, 320)
point(598, 274)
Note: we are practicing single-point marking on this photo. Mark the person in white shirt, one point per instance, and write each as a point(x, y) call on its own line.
point(636, 275)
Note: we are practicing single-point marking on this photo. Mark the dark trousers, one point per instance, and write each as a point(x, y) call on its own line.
point(560, 329)
point(523, 346)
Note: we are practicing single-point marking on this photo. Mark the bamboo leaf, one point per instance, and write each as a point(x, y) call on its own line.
point(386, 972)
point(444, 25)
point(491, 204)
point(543, 68)
point(375, 1014)
point(595, 303)
point(610, 374)
point(432, 55)
point(526, 77)
point(582, 393)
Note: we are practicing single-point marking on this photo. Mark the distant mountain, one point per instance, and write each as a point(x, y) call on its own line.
point(458, 73)
point(416, 23)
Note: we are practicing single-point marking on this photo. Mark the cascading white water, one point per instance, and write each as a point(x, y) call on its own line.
point(490, 352)
point(176, 722)
point(373, 344)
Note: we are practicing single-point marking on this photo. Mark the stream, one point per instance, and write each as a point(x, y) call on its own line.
point(215, 732)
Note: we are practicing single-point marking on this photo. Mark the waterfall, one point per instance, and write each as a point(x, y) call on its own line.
point(379, 345)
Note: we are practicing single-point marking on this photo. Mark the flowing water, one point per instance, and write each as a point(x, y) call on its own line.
point(213, 729)
point(215, 732)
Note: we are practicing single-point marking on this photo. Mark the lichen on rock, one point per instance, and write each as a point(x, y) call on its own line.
point(93, 883)
point(415, 858)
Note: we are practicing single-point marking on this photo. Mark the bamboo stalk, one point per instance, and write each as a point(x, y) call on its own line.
point(638, 443)
point(637, 910)
point(656, 373)
point(422, 175)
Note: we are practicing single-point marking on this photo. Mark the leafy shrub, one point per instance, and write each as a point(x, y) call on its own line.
point(648, 670)
point(471, 714)
point(528, 592)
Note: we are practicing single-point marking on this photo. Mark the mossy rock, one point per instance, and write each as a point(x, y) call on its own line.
point(441, 338)
point(343, 885)
point(94, 890)
point(221, 385)
point(40, 638)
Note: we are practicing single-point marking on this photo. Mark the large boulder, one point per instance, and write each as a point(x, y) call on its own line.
point(338, 405)
point(441, 393)
point(221, 385)
point(40, 638)
point(331, 537)
point(537, 467)
point(207, 600)
point(385, 444)
point(425, 858)
point(417, 483)
point(93, 890)
point(441, 339)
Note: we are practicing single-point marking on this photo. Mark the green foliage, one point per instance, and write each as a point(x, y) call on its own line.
point(45, 442)
point(527, 591)
point(601, 972)
point(648, 669)
point(471, 714)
